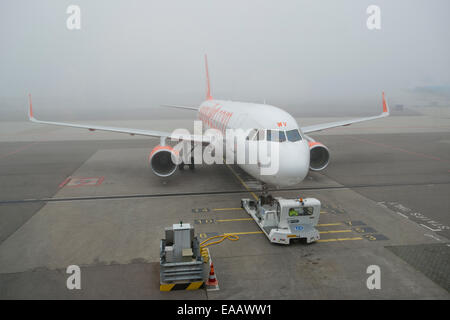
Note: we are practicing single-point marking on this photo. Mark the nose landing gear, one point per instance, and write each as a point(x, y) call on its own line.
point(265, 198)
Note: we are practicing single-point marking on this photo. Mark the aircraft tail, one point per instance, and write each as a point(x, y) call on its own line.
point(208, 87)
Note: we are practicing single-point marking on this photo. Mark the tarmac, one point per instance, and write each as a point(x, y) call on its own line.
point(71, 197)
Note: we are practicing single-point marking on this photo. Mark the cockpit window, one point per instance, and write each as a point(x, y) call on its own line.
point(293, 135)
point(261, 136)
point(275, 135)
point(251, 134)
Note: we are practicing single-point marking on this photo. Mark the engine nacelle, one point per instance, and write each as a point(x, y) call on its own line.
point(319, 156)
point(161, 160)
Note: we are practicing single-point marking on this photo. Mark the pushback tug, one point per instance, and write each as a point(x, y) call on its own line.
point(283, 220)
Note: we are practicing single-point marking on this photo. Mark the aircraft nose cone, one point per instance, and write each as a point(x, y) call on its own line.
point(293, 164)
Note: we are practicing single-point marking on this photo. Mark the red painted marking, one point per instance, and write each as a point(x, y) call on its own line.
point(17, 150)
point(100, 181)
point(85, 181)
point(62, 184)
point(400, 149)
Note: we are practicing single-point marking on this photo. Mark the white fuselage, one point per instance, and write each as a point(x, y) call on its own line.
point(294, 155)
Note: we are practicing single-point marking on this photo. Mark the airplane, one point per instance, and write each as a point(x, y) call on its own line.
point(263, 123)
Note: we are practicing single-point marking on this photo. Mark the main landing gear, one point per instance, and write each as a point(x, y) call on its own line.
point(191, 165)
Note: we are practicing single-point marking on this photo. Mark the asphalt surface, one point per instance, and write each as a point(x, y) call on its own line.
point(387, 192)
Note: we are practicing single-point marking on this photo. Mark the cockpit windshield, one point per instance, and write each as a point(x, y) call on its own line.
point(276, 136)
point(293, 135)
point(251, 135)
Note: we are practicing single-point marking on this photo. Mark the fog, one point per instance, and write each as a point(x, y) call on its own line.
point(308, 57)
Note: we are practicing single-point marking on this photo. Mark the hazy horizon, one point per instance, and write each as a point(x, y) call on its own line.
point(309, 58)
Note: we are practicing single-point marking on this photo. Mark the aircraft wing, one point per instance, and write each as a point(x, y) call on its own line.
point(180, 107)
point(141, 132)
point(323, 126)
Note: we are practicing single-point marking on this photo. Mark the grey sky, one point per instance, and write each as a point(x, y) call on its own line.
point(131, 56)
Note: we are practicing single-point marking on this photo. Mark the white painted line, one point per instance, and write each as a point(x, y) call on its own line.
point(401, 214)
point(212, 289)
point(431, 236)
point(381, 204)
point(429, 228)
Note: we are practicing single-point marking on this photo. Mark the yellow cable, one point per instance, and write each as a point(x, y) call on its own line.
point(230, 236)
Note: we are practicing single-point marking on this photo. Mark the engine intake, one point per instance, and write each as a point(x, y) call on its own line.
point(161, 161)
point(319, 156)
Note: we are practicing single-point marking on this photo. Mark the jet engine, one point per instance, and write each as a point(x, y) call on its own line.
point(319, 156)
point(161, 161)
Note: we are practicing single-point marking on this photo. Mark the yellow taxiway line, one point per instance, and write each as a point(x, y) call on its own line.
point(340, 239)
point(242, 233)
point(319, 225)
point(329, 224)
point(229, 220)
point(242, 181)
point(323, 232)
point(322, 240)
point(335, 231)
point(235, 209)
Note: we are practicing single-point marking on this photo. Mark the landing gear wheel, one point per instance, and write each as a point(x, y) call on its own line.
point(265, 197)
point(265, 190)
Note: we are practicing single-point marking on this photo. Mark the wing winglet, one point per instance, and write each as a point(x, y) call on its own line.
point(30, 111)
point(385, 106)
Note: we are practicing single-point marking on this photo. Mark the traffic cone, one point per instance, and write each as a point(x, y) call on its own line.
point(212, 280)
